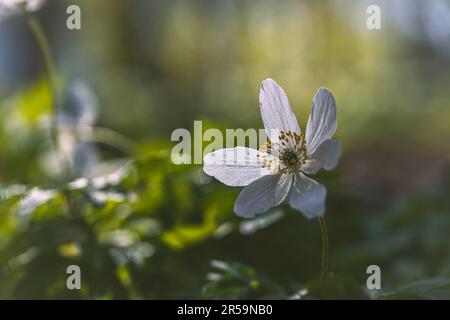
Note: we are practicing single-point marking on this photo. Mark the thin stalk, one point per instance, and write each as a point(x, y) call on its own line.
point(325, 247)
point(108, 137)
point(52, 82)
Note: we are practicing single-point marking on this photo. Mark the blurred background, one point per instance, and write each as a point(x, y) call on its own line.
point(140, 227)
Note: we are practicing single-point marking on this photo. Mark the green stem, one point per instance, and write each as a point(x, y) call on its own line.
point(50, 72)
point(325, 247)
point(108, 137)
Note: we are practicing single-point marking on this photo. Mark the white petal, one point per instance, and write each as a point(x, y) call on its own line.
point(263, 194)
point(276, 111)
point(322, 121)
point(326, 156)
point(308, 196)
point(234, 166)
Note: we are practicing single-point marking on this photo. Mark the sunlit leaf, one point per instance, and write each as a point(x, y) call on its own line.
point(34, 198)
point(434, 289)
point(238, 281)
point(249, 227)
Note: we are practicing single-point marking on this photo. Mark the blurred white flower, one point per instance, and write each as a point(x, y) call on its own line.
point(79, 113)
point(79, 107)
point(77, 116)
point(11, 7)
point(277, 171)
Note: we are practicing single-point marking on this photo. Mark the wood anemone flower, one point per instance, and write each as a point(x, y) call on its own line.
point(279, 169)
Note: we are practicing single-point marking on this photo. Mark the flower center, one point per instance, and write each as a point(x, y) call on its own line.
point(290, 160)
point(288, 154)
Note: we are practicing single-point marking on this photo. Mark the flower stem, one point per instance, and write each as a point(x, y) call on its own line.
point(50, 72)
point(325, 246)
point(108, 137)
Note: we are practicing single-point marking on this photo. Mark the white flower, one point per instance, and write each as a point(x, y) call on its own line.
point(11, 7)
point(278, 170)
point(77, 116)
point(79, 107)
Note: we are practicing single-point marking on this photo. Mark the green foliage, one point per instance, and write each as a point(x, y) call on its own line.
point(430, 289)
point(149, 229)
point(237, 281)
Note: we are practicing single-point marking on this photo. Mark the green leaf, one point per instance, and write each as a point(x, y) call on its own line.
point(234, 280)
point(433, 289)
